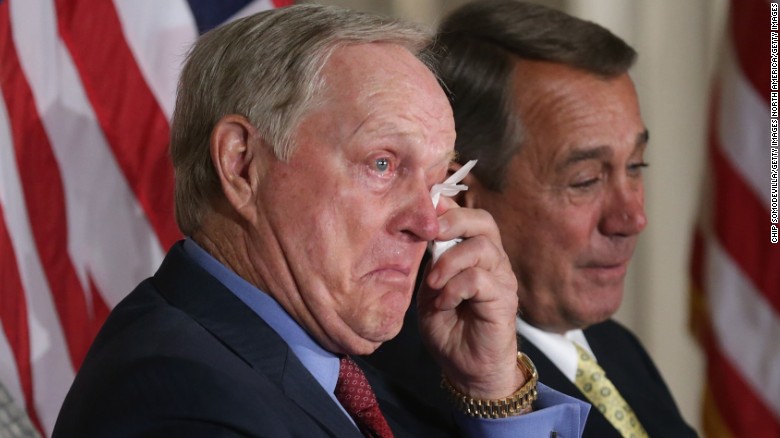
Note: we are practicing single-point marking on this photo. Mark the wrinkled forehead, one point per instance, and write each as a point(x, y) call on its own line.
point(369, 67)
point(385, 83)
point(552, 88)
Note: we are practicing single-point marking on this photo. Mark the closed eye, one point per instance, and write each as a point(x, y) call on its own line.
point(636, 168)
point(585, 184)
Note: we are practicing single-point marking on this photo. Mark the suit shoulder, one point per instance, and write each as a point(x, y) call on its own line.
point(614, 331)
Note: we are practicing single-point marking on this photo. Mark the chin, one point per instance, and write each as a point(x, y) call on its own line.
point(390, 327)
point(595, 315)
point(607, 297)
point(383, 320)
point(363, 349)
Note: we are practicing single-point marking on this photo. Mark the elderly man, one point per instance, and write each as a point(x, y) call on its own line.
point(305, 143)
point(544, 101)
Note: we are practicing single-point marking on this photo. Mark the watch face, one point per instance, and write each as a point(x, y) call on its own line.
point(523, 358)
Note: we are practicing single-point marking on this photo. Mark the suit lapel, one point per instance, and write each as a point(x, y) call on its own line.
point(190, 288)
point(302, 388)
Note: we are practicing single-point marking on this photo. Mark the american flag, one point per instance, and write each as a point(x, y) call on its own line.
point(735, 266)
point(87, 88)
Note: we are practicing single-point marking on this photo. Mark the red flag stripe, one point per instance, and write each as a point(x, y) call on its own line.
point(125, 107)
point(13, 315)
point(44, 198)
point(736, 228)
point(739, 407)
point(749, 26)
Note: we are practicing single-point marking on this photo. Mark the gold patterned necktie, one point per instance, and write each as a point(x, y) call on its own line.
point(592, 381)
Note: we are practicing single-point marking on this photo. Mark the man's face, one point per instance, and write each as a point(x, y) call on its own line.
point(573, 204)
point(351, 209)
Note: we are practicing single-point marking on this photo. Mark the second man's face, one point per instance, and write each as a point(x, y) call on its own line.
point(573, 204)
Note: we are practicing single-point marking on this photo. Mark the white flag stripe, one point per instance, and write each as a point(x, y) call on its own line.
point(106, 226)
point(51, 367)
point(744, 324)
point(159, 35)
point(39, 19)
point(52, 372)
point(743, 130)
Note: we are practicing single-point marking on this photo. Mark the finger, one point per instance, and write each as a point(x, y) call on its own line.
point(479, 293)
point(465, 286)
point(446, 203)
point(467, 222)
point(475, 252)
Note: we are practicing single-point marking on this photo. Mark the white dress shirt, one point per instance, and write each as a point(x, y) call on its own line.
point(557, 347)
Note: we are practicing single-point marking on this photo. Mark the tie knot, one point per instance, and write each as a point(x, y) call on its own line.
point(582, 354)
point(586, 364)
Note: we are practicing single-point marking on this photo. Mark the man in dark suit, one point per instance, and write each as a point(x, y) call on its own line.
point(544, 101)
point(305, 142)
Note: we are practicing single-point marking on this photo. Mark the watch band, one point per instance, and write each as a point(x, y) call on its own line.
point(516, 404)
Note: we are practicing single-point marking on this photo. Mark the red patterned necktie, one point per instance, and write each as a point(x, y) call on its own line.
point(355, 394)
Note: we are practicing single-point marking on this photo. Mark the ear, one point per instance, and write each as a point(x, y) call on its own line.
point(470, 197)
point(235, 152)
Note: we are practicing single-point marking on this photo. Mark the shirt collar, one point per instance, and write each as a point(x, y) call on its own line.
point(557, 347)
point(322, 364)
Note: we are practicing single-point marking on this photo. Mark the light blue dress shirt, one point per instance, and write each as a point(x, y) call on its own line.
point(322, 364)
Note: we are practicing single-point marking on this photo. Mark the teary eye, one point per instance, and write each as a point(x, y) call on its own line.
point(382, 164)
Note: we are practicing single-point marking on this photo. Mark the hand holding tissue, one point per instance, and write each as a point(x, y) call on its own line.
point(449, 187)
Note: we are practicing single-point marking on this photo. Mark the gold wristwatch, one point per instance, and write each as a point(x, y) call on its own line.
point(516, 404)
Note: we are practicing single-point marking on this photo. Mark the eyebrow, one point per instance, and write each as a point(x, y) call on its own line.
point(447, 159)
point(600, 152)
point(452, 156)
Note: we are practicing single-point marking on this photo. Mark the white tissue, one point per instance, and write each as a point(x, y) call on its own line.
point(449, 187)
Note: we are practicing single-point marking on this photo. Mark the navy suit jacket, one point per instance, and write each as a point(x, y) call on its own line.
point(631, 370)
point(183, 356)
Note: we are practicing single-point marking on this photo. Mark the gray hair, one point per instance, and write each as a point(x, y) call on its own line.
point(483, 41)
point(267, 68)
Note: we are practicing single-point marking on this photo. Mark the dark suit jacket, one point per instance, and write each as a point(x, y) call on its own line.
point(182, 356)
point(625, 361)
point(633, 373)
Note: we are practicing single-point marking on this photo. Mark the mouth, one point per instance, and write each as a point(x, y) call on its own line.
point(606, 272)
point(391, 272)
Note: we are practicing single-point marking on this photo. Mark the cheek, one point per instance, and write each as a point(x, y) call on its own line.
point(574, 228)
point(547, 241)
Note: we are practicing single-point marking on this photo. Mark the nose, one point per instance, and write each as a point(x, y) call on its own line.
point(416, 217)
point(624, 210)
